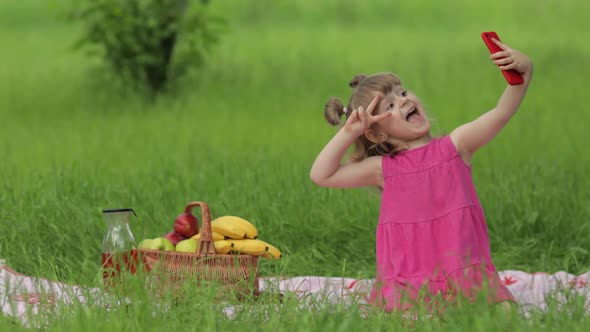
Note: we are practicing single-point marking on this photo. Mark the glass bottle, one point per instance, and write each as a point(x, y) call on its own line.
point(118, 246)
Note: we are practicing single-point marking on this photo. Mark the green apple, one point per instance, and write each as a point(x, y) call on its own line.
point(188, 245)
point(159, 243)
point(146, 244)
point(162, 243)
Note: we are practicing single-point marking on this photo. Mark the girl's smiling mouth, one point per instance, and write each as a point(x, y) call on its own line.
point(412, 114)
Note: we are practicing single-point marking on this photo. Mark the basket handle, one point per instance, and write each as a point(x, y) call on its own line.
point(206, 246)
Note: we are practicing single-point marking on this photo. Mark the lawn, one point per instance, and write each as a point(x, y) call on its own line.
point(241, 134)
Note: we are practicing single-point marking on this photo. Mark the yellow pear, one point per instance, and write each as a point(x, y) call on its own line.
point(188, 245)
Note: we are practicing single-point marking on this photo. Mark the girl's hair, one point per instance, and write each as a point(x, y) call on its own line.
point(364, 89)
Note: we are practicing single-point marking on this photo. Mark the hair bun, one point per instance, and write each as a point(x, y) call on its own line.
point(333, 111)
point(354, 82)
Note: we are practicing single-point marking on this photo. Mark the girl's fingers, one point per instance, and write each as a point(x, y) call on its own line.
point(357, 114)
point(373, 104)
point(352, 116)
point(363, 116)
point(507, 67)
point(504, 61)
point(380, 117)
point(500, 44)
point(501, 54)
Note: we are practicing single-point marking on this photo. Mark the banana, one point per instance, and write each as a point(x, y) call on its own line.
point(241, 223)
point(227, 229)
point(248, 246)
point(272, 252)
point(216, 236)
point(222, 246)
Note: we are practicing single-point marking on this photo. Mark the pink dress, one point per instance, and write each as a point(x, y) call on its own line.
point(432, 234)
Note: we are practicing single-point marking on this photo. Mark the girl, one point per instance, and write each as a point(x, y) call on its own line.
point(432, 234)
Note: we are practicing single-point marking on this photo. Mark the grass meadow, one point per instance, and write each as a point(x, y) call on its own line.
point(242, 133)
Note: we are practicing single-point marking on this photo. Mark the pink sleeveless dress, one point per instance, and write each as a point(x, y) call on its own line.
point(432, 235)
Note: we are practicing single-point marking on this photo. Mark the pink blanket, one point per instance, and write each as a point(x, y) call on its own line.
point(26, 298)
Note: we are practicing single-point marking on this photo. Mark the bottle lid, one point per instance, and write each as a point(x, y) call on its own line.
point(119, 210)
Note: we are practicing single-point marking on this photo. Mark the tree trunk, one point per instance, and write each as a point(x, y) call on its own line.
point(157, 74)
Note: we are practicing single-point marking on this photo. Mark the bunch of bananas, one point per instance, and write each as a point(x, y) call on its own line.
point(238, 236)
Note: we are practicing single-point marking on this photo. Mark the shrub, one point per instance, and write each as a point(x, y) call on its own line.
point(147, 42)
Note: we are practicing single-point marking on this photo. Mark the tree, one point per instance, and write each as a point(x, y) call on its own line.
point(147, 42)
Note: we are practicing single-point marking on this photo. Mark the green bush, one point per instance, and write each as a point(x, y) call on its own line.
point(147, 42)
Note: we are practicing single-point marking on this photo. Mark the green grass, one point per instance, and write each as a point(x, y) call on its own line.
point(242, 134)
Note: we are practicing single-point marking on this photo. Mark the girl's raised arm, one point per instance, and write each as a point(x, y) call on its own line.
point(327, 171)
point(471, 136)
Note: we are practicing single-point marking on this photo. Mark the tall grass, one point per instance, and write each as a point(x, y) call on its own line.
point(242, 134)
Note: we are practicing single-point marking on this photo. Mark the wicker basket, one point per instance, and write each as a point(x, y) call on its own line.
point(169, 272)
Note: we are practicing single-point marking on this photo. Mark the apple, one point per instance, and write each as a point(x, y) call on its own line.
point(174, 237)
point(162, 243)
point(159, 243)
point(146, 244)
point(186, 224)
point(188, 245)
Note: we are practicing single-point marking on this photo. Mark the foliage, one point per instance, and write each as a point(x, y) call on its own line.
point(148, 42)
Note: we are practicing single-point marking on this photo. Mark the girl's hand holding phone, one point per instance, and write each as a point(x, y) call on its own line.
point(509, 58)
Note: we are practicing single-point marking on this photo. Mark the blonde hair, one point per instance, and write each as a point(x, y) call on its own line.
point(364, 89)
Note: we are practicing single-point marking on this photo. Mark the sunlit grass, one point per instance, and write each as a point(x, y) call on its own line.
point(242, 134)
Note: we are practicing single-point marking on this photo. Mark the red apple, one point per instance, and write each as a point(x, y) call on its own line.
point(186, 224)
point(174, 237)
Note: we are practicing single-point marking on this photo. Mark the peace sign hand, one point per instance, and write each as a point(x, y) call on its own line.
point(360, 119)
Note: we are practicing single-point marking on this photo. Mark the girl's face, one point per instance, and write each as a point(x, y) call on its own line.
point(408, 121)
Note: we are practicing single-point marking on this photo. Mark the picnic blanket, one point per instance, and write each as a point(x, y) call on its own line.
point(23, 297)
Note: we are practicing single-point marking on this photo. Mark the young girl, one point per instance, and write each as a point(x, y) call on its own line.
point(432, 234)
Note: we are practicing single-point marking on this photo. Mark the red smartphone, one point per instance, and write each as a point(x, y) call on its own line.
point(512, 76)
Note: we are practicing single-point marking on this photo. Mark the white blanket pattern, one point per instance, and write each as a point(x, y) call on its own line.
point(22, 297)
